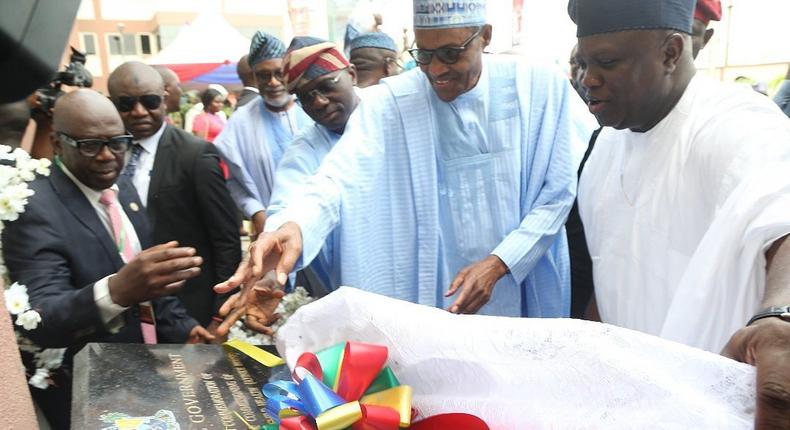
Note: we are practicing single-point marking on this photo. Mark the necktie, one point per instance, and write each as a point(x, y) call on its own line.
point(110, 202)
point(134, 159)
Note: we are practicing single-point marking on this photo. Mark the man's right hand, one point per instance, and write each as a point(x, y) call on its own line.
point(277, 251)
point(156, 272)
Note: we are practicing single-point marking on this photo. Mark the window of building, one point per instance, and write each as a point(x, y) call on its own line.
point(88, 43)
point(145, 44)
point(129, 44)
point(114, 43)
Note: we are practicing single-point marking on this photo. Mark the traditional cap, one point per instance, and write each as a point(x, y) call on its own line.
point(708, 10)
point(607, 16)
point(373, 40)
point(264, 47)
point(308, 58)
point(449, 13)
point(220, 89)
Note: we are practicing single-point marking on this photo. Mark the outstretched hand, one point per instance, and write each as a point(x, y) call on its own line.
point(766, 344)
point(273, 253)
point(256, 304)
point(278, 250)
point(198, 334)
point(476, 283)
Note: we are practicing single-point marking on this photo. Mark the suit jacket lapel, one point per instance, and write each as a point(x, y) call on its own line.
point(133, 207)
point(78, 204)
point(162, 155)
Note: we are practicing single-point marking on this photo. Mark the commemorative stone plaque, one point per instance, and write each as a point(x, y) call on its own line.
point(168, 387)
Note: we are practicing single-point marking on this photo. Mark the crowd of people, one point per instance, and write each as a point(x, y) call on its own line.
point(449, 185)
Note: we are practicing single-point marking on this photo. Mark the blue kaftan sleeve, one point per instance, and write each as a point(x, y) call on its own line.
point(346, 169)
point(229, 141)
point(558, 125)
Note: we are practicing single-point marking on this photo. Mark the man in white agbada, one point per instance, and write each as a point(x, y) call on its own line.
point(686, 197)
point(449, 181)
point(255, 138)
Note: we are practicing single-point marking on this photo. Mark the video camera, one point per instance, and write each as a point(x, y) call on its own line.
point(75, 75)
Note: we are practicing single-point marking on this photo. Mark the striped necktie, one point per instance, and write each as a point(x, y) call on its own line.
point(110, 202)
point(131, 165)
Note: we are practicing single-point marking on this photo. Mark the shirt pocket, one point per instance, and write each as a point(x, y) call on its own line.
point(479, 203)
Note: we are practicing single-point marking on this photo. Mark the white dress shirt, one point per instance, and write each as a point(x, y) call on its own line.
point(142, 174)
point(108, 310)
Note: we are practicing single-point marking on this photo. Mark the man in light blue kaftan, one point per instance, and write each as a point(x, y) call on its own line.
point(256, 136)
point(460, 175)
point(335, 82)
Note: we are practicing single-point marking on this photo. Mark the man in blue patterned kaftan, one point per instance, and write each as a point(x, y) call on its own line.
point(256, 136)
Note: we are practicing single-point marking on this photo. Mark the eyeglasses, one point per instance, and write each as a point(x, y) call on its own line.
point(396, 62)
point(445, 54)
point(92, 147)
point(127, 103)
point(264, 77)
point(323, 89)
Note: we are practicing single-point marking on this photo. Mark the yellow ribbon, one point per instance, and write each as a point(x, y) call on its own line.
point(264, 357)
point(397, 398)
point(340, 417)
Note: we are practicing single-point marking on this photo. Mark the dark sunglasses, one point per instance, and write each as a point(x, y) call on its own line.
point(126, 103)
point(92, 147)
point(445, 54)
point(323, 89)
point(265, 77)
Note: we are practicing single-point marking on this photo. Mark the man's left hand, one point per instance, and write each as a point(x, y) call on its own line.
point(766, 344)
point(476, 283)
point(200, 335)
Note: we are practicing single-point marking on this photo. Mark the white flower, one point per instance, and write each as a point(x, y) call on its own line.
point(50, 358)
point(43, 166)
point(5, 152)
point(13, 199)
point(40, 379)
point(28, 320)
point(26, 169)
point(16, 299)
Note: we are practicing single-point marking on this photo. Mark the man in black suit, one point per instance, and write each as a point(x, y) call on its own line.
point(247, 79)
point(179, 181)
point(63, 248)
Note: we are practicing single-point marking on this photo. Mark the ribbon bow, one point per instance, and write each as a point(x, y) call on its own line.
point(364, 394)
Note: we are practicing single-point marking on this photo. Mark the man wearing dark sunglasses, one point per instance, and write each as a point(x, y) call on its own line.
point(180, 183)
point(83, 250)
point(255, 138)
point(448, 181)
point(375, 57)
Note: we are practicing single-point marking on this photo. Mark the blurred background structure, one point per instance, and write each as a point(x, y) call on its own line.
point(747, 41)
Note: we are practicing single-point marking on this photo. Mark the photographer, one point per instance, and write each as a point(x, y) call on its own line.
point(42, 101)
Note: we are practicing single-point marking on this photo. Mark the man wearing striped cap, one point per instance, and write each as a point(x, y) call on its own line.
point(255, 138)
point(452, 182)
point(323, 81)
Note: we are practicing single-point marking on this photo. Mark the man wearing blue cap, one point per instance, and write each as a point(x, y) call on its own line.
point(255, 138)
point(686, 198)
point(375, 56)
point(452, 182)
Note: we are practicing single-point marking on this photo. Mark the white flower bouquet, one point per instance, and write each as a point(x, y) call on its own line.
point(17, 168)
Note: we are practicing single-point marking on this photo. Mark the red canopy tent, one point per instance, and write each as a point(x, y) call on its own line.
point(205, 50)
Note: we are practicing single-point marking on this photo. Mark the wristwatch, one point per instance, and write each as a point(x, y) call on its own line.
point(782, 312)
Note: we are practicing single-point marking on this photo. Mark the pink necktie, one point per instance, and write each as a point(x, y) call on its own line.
point(110, 202)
